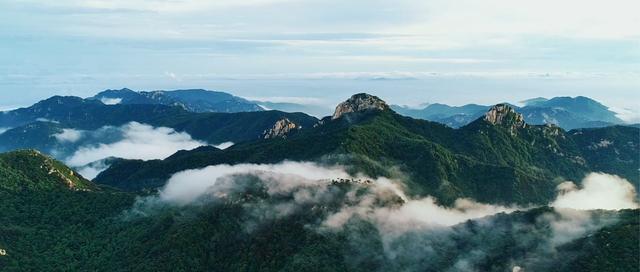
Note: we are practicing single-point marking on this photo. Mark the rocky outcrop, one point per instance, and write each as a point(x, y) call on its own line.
point(504, 115)
point(359, 102)
point(281, 128)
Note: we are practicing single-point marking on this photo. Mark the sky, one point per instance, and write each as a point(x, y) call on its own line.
point(320, 52)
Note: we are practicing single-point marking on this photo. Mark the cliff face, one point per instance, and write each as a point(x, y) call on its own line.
point(505, 115)
point(281, 128)
point(359, 102)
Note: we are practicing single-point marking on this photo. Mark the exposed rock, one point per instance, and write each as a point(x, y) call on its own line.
point(505, 115)
point(280, 129)
point(359, 102)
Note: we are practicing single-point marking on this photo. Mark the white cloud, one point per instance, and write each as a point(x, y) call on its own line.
point(187, 186)
point(598, 191)
point(69, 135)
point(162, 6)
point(627, 115)
point(111, 101)
point(90, 171)
point(173, 76)
point(139, 141)
point(47, 120)
point(224, 145)
point(411, 229)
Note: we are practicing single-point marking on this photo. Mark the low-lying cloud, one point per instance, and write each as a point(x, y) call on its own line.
point(412, 231)
point(597, 191)
point(111, 101)
point(131, 141)
point(224, 145)
point(187, 186)
point(69, 135)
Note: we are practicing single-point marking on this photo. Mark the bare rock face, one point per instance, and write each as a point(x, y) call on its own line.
point(280, 129)
point(359, 102)
point(505, 115)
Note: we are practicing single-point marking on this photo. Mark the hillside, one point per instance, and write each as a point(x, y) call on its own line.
point(31, 170)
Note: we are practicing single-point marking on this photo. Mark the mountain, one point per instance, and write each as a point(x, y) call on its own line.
point(194, 100)
point(579, 105)
point(566, 112)
point(497, 158)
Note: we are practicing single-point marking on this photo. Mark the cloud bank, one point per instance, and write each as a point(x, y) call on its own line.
point(111, 101)
point(131, 141)
point(598, 191)
point(69, 135)
point(412, 231)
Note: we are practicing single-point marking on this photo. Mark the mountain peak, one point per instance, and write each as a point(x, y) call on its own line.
point(281, 128)
point(360, 102)
point(504, 115)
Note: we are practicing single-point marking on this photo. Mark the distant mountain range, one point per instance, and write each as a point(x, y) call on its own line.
point(566, 112)
point(195, 100)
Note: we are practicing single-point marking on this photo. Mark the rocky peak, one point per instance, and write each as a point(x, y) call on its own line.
point(504, 115)
point(281, 128)
point(359, 102)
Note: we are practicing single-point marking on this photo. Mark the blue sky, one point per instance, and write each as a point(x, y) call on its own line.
point(408, 52)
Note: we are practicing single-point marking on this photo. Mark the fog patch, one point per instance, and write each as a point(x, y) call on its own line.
point(224, 145)
point(91, 170)
point(69, 135)
point(41, 119)
point(187, 186)
point(598, 191)
point(138, 141)
point(110, 101)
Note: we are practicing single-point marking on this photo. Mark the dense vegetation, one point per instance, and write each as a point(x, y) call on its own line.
point(56, 228)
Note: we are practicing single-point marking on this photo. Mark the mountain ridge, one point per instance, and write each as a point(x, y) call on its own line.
point(566, 112)
point(195, 100)
point(445, 162)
